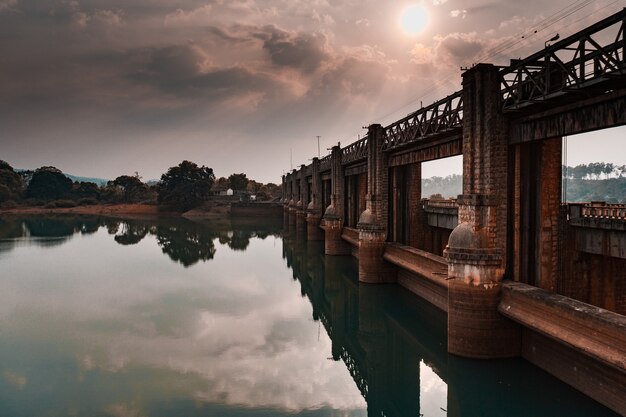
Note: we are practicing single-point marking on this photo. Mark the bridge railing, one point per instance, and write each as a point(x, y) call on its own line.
point(325, 163)
point(432, 203)
point(441, 116)
point(592, 55)
point(355, 151)
point(597, 210)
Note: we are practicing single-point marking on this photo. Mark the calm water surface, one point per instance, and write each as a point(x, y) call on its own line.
point(106, 317)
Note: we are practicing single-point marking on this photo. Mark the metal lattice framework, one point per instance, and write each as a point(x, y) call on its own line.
point(354, 152)
point(325, 163)
point(355, 372)
point(440, 117)
point(584, 59)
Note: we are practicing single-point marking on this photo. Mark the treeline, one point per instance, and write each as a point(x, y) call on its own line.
point(181, 188)
point(597, 181)
point(442, 187)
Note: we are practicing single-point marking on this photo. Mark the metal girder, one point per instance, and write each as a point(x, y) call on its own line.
point(356, 151)
point(440, 117)
point(554, 71)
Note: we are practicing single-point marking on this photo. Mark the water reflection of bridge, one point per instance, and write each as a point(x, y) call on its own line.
point(383, 334)
point(521, 274)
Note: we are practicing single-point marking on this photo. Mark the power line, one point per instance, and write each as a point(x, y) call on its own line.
point(506, 46)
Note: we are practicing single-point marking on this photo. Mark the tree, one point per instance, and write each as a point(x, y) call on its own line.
point(85, 189)
point(238, 181)
point(10, 182)
point(132, 188)
point(185, 186)
point(48, 183)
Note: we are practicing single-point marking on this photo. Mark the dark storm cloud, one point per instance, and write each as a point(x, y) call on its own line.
point(304, 51)
point(183, 70)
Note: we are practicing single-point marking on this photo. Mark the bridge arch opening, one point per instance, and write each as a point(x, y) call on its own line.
point(568, 196)
point(422, 202)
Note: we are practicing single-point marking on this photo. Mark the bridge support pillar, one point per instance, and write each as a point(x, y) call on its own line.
point(314, 208)
point(285, 201)
point(476, 249)
point(333, 216)
point(301, 204)
point(372, 222)
point(292, 204)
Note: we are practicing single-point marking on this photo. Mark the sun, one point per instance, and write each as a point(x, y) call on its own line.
point(414, 19)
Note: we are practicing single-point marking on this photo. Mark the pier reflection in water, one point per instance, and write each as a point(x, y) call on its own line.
point(394, 345)
point(94, 320)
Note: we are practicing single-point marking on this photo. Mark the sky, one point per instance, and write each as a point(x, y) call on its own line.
point(103, 88)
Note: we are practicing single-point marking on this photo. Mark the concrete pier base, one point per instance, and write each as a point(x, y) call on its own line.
point(475, 328)
point(372, 267)
point(301, 224)
point(333, 243)
point(291, 230)
point(313, 230)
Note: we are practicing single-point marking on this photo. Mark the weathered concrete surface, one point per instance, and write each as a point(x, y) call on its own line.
point(581, 344)
point(583, 115)
point(420, 272)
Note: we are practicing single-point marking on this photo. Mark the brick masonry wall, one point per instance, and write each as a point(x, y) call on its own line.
point(549, 207)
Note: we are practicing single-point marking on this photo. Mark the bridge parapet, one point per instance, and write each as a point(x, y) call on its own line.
point(584, 59)
point(440, 117)
point(441, 213)
point(432, 204)
point(597, 214)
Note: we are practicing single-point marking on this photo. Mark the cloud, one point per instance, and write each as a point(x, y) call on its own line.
point(100, 16)
point(15, 380)
point(7, 4)
point(302, 51)
point(421, 54)
point(462, 13)
point(458, 48)
point(195, 16)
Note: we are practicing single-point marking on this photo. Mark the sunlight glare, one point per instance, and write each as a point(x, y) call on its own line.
point(414, 19)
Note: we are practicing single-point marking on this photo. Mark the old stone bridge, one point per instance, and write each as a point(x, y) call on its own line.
point(517, 272)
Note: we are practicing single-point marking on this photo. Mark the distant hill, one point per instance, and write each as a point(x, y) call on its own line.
point(100, 181)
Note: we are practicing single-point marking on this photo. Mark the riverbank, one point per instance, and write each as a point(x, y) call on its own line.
point(96, 209)
point(213, 209)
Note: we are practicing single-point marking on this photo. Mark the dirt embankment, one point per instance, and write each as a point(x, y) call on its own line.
point(98, 209)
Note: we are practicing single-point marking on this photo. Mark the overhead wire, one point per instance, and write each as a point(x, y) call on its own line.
point(507, 46)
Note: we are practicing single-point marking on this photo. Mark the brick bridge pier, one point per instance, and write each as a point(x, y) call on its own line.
point(518, 272)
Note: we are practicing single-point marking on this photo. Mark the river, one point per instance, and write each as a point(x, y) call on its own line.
point(172, 317)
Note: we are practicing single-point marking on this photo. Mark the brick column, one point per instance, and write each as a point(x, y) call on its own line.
point(333, 217)
point(314, 208)
point(477, 247)
point(549, 212)
point(302, 203)
point(372, 224)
